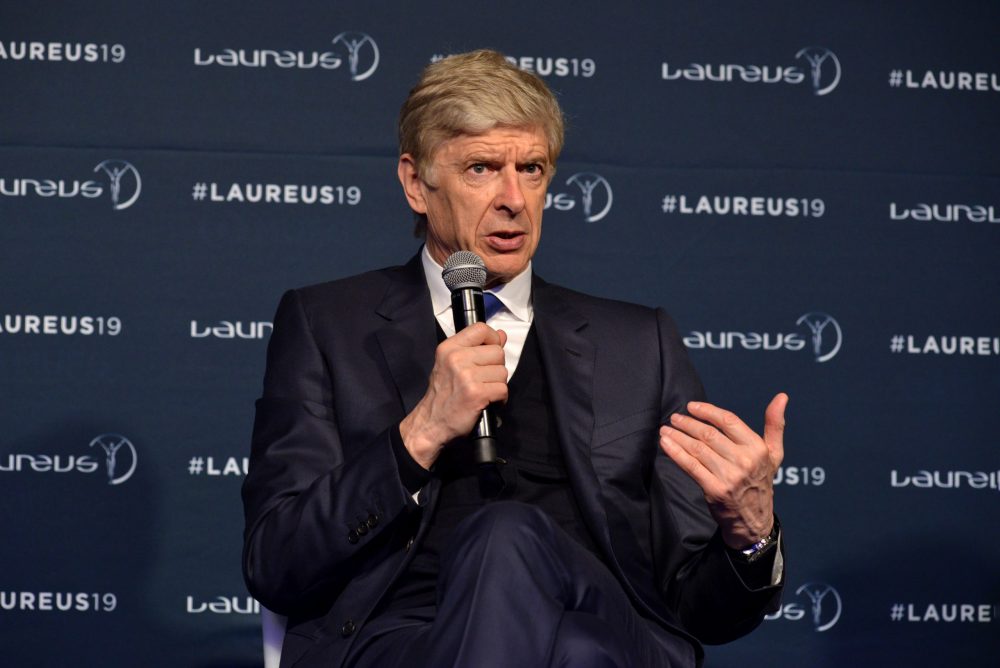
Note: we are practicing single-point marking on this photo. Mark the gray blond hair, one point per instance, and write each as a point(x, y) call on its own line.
point(470, 94)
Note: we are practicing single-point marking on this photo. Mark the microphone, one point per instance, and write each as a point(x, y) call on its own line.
point(465, 275)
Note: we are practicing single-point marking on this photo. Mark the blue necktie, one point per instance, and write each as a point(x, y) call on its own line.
point(493, 304)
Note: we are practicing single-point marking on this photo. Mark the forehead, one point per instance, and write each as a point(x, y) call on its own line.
point(518, 142)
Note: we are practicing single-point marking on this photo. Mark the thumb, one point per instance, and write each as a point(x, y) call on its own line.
point(774, 427)
point(503, 337)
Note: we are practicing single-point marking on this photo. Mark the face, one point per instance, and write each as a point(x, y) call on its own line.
point(484, 193)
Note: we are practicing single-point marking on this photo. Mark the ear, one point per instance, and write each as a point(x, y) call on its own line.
point(413, 186)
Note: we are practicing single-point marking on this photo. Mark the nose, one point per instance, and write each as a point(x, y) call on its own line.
point(510, 196)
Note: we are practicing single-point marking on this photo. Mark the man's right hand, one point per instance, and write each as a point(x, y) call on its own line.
point(468, 375)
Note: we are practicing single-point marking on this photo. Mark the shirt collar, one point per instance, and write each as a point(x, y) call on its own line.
point(515, 294)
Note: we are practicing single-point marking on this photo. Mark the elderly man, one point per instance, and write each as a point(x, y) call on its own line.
point(633, 520)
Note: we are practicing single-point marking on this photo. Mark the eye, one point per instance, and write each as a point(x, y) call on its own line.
point(478, 168)
point(533, 168)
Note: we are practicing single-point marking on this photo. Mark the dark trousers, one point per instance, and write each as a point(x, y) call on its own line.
point(515, 591)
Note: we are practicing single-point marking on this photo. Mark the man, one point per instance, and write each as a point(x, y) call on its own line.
point(634, 520)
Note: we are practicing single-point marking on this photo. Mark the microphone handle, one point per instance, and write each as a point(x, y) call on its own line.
point(468, 308)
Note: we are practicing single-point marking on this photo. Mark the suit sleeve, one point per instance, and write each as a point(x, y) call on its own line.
point(316, 509)
point(697, 577)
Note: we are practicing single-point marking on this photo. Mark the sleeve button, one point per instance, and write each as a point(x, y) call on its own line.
point(347, 629)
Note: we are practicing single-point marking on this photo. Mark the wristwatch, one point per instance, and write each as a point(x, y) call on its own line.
point(754, 552)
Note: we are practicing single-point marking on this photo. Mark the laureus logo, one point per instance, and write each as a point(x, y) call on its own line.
point(825, 334)
point(595, 194)
point(120, 468)
point(125, 182)
point(825, 604)
point(824, 68)
point(362, 53)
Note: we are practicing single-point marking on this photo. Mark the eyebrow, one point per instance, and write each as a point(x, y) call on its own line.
point(482, 156)
point(497, 156)
point(541, 162)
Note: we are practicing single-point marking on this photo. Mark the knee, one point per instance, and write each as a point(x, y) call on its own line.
point(586, 641)
point(509, 527)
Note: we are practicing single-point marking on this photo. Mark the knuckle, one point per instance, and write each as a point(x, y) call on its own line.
point(735, 481)
point(698, 449)
point(716, 492)
point(441, 353)
point(466, 378)
point(761, 457)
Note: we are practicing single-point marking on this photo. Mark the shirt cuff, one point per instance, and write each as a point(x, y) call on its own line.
point(411, 474)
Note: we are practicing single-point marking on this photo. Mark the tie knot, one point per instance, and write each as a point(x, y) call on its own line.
point(492, 303)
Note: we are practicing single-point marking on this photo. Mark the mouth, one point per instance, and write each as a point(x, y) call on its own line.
point(506, 240)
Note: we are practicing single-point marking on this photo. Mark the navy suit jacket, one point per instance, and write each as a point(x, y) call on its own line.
point(329, 524)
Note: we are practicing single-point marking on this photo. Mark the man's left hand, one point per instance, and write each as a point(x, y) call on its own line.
point(733, 465)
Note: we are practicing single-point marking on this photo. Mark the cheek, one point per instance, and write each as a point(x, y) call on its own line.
point(536, 224)
point(533, 246)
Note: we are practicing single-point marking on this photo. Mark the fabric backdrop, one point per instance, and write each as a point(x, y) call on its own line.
point(812, 189)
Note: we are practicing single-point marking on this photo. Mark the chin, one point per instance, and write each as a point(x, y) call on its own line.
point(503, 272)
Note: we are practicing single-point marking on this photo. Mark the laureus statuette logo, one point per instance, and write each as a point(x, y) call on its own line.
point(119, 456)
point(125, 182)
point(825, 604)
point(824, 68)
point(595, 195)
point(362, 53)
point(825, 334)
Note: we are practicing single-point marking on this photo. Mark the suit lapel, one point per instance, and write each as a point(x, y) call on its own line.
point(568, 359)
point(409, 337)
point(568, 356)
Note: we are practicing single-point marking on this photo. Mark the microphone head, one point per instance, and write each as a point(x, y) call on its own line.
point(464, 269)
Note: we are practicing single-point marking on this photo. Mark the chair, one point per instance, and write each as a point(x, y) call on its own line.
point(273, 630)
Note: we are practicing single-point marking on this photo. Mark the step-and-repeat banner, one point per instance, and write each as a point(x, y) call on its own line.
point(811, 189)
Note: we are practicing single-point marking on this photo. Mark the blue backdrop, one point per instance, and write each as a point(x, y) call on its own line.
point(811, 189)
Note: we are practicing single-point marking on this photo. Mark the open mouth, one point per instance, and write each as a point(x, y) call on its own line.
point(506, 240)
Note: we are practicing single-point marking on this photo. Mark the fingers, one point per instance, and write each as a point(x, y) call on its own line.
point(733, 465)
point(479, 334)
point(492, 373)
point(774, 426)
point(726, 421)
point(687, 462)
point(481, 364)
point(476, 345)
point(483, 355)
point(700, 440)
point(469, 372)
point(490, 392)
